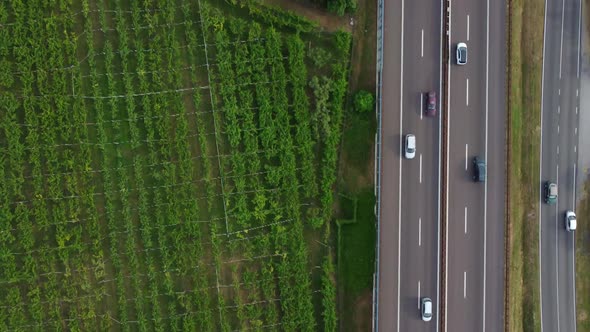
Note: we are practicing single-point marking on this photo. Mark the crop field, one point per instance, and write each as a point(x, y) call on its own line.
point(167, 165)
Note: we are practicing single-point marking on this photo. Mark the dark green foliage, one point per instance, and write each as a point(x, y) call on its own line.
point(342, 7)
point(343, 41)
point(277, 17)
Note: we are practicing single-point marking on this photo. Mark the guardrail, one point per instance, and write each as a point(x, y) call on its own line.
point(378, 78)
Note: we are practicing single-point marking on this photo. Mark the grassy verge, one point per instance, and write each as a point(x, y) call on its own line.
point(356, 263)
point(583, 262)
point(583, 232)
point(526, 56)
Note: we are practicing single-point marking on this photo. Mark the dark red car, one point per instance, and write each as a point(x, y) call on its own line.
point(431, 103)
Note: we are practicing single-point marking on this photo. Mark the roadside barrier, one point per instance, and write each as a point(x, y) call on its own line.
point(378, 78)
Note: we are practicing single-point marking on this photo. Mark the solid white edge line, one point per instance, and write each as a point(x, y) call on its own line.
point(447, 138)
point(467, 94)
point(574, 190)
point(561, 45)
point(573, 251)
point(557, 250)
point(465, 220)
point(419, 232)
point(420, 168)
point(541, 167)
point(439, 166)
point(401, 116)
point(579, 40)
point(574, 279)
point(485, 204)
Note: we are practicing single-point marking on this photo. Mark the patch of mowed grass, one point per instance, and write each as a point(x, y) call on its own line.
point(583, 262)
point(526, 60)
point(358, 139)
point(364, 55)
point(357, 241)
point(356, 253)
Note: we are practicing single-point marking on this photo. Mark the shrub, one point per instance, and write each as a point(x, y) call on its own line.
point(364, 101)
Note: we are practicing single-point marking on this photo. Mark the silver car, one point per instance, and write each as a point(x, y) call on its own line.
point(410, 146)
point(426, 309)
point(461, 54)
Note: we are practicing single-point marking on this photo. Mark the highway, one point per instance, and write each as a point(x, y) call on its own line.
point(559, 140)
point(409, 247)
point(476, 127)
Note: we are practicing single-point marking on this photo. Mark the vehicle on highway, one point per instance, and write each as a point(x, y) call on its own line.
point(550, 192)
point(410, 146)
point(431, 103)
point(570, 221)
point(461, 54)
point(479, 169)
point(426, 309)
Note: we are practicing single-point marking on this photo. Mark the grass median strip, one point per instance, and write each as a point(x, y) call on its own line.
point(583, 262)
point(525, 70)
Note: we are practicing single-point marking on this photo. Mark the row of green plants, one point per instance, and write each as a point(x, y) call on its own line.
point(277, 17)
point(280, 155)
point(112, 252)
point(135, 256)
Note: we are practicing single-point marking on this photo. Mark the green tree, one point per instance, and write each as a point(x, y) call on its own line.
point(364, 101)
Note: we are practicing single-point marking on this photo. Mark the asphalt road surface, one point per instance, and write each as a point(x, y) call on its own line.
point(476, 211)
point(409, 254)
point(559, 140)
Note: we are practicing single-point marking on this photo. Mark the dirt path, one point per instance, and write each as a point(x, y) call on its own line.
point(327, 21)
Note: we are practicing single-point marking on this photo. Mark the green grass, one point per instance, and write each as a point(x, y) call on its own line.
point(356, 179)
point(357, 240)
point(358, 139)
point(357, 262)
point(583, 262)
point(526, 47)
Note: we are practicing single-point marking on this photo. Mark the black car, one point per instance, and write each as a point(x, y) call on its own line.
point(479, 169)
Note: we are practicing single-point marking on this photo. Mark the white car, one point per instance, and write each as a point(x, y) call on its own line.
point(426, 309)
point(410, 146)
point(461, 54)
point(570, 221)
